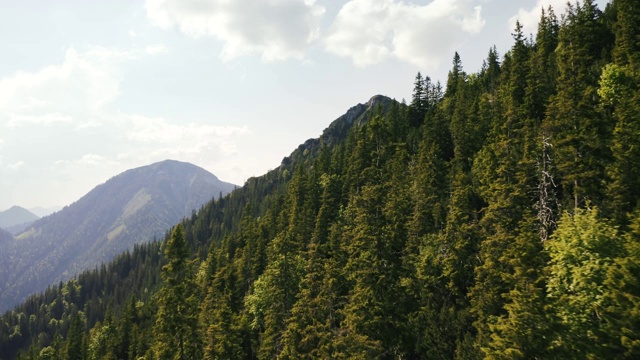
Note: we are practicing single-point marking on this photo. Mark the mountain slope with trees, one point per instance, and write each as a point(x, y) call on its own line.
point(133, 207)
point(496, 218)
point(16, 216)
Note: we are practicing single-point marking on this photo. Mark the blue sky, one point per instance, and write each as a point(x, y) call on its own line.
point(89, 89)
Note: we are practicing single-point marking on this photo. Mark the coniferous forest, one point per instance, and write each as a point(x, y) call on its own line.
point(495, 217)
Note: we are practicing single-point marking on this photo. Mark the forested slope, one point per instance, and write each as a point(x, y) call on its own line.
point(495, 218)
point(133, 207)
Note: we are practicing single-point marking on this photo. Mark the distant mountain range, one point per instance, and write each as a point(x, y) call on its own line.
point(16, 219)
point(133, 207)
point(16, 215)
point(44, 211)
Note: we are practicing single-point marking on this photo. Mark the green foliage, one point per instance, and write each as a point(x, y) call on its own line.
point(176, 327)
point(430, 230)
point(580, 254)
point(623, 297)
point(578, 130)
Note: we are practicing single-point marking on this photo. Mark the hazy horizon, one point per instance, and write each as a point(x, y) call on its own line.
point(90, 90)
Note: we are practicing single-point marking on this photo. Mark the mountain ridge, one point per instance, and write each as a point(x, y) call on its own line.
point(42, 211)
point(338, 128)
point(16, 215)
point(135, 206)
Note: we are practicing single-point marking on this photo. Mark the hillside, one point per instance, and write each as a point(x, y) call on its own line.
point(16, 215)
point(42, 211)
point(133, 207)
point(136, 274)
point(495, 218)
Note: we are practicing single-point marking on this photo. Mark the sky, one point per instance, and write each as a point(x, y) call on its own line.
point(89, 89)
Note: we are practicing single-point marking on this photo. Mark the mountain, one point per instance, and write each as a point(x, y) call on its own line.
point(16, 215)
point(6, 252)
point(44, 211)
point(495, 219)
point(5, 237)
point(338, 129)
point(133, 207)
point(136, 274)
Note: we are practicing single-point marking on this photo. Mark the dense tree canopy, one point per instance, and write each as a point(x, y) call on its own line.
point(495, 219)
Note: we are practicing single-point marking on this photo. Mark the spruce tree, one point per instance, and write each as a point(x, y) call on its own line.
point(418, 106)
point(176, 328)
point(501, 169)
point(314, 321)
point(75, 337)
point(620, 95)
point(578, 132)
point(581, 252)
point(623, 297)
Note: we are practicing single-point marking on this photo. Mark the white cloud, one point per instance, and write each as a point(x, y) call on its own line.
point(83, 82)
point(177, 139)
point(276, 29)
point(31, 103)
point(88, 124)
point(76, 90)
point(91, 159)
point(61, 163)
point(155, 49)
point(100, 53)
point(46, 119)
point(16, 166)
point(372, 31)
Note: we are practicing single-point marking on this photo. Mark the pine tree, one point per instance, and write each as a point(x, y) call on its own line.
point(578, 132)
point(581, 252)
point(314, 321)
point(103, 343)
point(501, 169)
point(522, 331)
point(418, 106)
point(542, 77)
point(623, 298)
point(223, 337)
point(627, 30)
point(455, 74)
point(176, 327)
point(125, 330)
point(375, 232)
point(74, 337)
point(490, 72)
point(621, 95)
point(429, 174)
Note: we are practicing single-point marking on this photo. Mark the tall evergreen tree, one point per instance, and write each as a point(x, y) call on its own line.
point(176, 328)
point(581, 252)
point(501, 169)
point(620, 93)
point(75, 338)
point(314, 321)
point(579, 133)
point(623, 297)
point(490, 72)
point(418, 106)
point(455, 74)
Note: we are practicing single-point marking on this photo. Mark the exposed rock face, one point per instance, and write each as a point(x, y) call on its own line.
point(337, 130)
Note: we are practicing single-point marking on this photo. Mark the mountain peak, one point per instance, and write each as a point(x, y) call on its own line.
point(378, 99)
point(16, 215)
point(337, 130)
point(132, 207)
